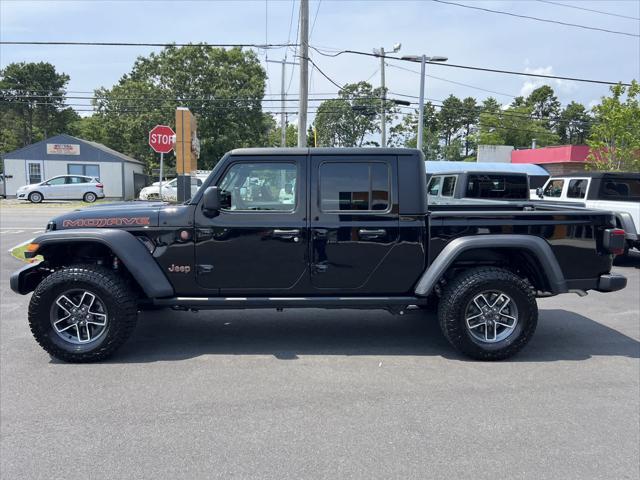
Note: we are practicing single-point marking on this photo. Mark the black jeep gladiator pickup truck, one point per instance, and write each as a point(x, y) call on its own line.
point(320, 228)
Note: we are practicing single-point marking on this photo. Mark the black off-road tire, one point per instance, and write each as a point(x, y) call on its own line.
point(462, 289)
point(119, 301)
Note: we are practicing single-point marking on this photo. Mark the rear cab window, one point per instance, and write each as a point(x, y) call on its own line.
point(620, 189)
point(497, 186)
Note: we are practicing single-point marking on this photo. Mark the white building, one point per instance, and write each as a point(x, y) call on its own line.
point(63, 154)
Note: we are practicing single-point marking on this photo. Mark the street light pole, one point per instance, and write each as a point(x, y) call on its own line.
point(423, 62)
point(383, 116)
point(283, 122)
point(423, 59)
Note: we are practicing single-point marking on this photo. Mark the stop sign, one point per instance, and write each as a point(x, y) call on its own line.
point(161, 138)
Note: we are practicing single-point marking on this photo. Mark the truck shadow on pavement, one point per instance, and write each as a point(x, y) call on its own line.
point(630, 260)
point(170, 336)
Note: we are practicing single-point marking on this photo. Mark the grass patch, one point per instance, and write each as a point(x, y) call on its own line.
point(18, 252)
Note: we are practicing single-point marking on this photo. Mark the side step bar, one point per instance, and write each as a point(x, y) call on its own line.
point(289, 302)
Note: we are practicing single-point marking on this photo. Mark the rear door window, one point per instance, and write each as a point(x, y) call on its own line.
point(577, 188)
point(620, 189)
point(448, 186)
point(354, 186)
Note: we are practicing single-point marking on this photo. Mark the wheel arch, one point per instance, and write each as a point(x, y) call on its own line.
point(97, 242)
point(531, 254)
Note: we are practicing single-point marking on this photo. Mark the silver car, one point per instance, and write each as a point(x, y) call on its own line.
point(63, 187)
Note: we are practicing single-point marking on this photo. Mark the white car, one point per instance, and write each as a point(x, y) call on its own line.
point(169, 190)
point(617, 192)
point(63, 187)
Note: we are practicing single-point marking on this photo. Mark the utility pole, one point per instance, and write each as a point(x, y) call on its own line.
point(304, 73)
point(383, 106)
point(283, 123)
point(383, 117)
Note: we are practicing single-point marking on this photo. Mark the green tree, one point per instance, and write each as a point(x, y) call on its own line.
point(405, 133)
point(543, 102)
point(573, 125)
point(347, 121)
point(450, 118)
point(615, 133)
point(470, 116)
point(222, 87)
point(32, 104)
point(275, 135)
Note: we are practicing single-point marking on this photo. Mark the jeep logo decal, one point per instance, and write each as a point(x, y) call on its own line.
point(179, 268)
point(106, 222)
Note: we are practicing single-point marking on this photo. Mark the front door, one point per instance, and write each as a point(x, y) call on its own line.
point(258, 244)
point(354, 223)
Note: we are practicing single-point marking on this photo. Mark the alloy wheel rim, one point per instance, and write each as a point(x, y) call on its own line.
point(491, 316)
point(79, 317)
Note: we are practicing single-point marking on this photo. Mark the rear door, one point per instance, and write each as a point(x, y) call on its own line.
point(354, 222)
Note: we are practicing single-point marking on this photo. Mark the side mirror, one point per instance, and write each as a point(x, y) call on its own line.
point(211, 202)
point(539, 192)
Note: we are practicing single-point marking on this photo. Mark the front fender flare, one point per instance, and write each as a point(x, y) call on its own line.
point(129, 250)
point(537, 246)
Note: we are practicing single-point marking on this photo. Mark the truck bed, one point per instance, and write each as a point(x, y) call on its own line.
point(571, 231)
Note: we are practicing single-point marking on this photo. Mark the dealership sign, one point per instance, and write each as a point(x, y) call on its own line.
point(63, 149)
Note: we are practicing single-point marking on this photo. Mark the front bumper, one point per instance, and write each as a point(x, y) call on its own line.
point(611, 282)
point(21, 195)
point(27, 278)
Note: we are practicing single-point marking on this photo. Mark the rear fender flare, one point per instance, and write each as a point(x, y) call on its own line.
point(537, 246)
point(129, 250)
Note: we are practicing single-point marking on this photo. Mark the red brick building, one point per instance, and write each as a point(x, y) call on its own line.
point(558, 160)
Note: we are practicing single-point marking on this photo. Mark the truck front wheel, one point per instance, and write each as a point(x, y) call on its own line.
point(488, 313)
point(82, 313)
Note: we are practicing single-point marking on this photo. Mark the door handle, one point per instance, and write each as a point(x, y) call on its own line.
point(287, 234)
point(372, 232)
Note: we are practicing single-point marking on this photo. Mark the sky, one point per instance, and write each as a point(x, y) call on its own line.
point(465, 36)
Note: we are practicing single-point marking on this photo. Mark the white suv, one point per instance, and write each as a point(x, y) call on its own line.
point(617, 192)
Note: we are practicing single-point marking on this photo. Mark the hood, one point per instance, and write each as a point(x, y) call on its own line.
point(111, 215)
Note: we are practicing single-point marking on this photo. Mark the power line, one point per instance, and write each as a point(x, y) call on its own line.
point(337, 53)
point(589, 10)
point(528, 17)
point(133, 44)
point(295, 52)
point(467, 67)
point(452, 81)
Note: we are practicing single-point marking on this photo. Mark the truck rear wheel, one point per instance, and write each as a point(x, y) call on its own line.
point(488, 313)
point(82, 313)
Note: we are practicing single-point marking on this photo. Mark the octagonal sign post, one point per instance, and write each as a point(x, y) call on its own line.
point(161, 140)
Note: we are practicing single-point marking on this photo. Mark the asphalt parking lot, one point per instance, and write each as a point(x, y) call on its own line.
point(322, 394)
